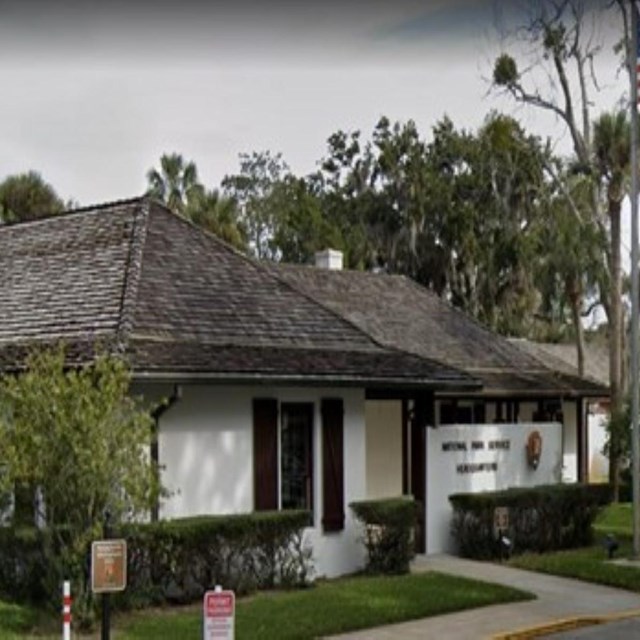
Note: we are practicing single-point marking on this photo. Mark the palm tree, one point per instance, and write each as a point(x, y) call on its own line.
point(611, 150)
point(176, 183)
point(219, 215)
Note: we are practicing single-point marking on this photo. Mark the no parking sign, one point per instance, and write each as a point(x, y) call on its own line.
point(219, 615)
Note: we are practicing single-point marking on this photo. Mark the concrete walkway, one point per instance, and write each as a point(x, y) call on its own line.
point(557, 599)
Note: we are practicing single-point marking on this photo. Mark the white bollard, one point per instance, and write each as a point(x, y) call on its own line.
point(66, 610)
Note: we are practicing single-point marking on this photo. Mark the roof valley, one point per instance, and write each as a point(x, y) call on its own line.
point(275, 273)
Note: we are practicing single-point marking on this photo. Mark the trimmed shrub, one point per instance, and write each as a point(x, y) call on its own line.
point(543, 518)
point(388, 533)
point(169, 561)
point(178, 560)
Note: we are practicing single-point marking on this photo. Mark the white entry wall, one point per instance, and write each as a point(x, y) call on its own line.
point(475, 458)
point(598, 463)
point(569, 435)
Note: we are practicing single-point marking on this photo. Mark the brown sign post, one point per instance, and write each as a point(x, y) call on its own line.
point(108, 566)
point(108, 572)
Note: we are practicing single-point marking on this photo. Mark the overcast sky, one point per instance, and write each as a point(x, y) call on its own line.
point(93, 94)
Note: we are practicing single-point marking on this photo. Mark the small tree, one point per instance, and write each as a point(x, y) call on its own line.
point(26, 196)
point(80, 439)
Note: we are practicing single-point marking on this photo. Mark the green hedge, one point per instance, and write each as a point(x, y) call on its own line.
point(22, 564)
point(542, 518)
point(176, 561)
point(170, 561)
point(388, 533)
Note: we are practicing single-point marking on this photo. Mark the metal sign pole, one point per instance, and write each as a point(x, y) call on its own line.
point(106, 604)
point(635, 382)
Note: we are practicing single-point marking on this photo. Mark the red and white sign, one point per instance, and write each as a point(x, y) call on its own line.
point(219, 615)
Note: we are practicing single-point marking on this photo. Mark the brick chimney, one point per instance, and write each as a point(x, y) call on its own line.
point(329, 259)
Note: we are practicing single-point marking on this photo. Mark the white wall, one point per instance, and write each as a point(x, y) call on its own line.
point(570, 442)
point(383, 419)
point(444, 476)
point(206, 447)
point(598, 463)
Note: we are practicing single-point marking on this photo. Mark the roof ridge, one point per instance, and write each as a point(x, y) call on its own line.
point(66, 213)
point(132, 274)
point(357, 272)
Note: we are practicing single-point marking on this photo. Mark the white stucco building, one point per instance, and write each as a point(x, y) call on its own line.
point(288, 387)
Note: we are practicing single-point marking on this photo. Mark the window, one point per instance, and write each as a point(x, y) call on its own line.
point(462, 412)
point(283, 458)
point(296, 456)
point(549, 411)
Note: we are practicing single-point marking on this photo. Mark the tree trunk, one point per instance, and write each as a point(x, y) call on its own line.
point(575, 296)
point(615, 344)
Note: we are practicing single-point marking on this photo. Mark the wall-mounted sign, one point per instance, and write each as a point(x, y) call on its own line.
point(534, 449)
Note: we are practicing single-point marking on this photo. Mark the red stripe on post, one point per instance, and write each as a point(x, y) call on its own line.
point(66, 618)
point(66, 601)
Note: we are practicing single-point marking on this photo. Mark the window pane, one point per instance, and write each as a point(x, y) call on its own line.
point(295, 446)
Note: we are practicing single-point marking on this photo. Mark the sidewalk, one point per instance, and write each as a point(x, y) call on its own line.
point(557, 599)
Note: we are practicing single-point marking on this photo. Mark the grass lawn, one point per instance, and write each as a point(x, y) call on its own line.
point(331, 607)
point(591, 563)
point(14, 619)
point(615, 518)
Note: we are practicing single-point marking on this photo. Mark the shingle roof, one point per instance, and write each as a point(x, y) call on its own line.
point(564, 357)
point(195, 288)
point(399, 313)
point(135, 277)
point(64, 277)
point(379, 367)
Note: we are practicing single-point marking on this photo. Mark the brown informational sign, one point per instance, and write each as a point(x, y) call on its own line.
point(108, 566)
point(500, 520)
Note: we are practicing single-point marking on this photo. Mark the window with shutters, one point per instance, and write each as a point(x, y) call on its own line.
point(283, 458)
point(296, 456)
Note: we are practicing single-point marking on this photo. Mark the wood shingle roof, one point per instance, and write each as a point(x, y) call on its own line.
point(134, 277)
point(401, 314)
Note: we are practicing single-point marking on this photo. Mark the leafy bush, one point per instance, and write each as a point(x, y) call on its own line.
point(388, 533)
point(79, 437)
point(170, 561)
point(541, 518)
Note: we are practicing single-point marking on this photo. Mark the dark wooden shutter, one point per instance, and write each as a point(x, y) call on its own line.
point(265, 453)
point(332, 464)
